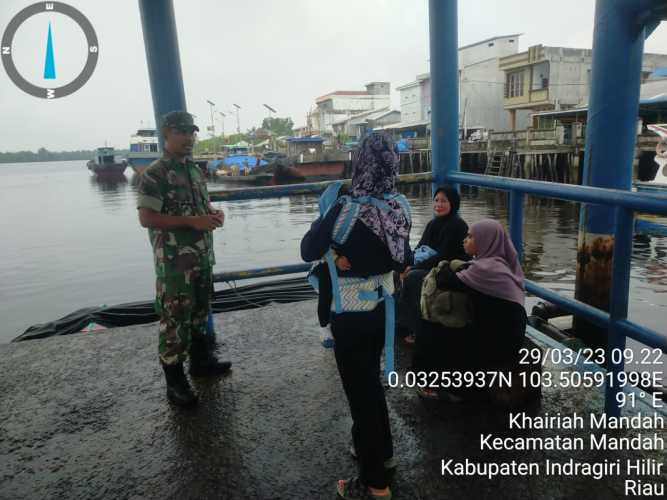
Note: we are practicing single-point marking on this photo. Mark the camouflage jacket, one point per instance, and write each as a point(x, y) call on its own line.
point(174, 188)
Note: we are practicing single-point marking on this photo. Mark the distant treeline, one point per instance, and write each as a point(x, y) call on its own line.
point(44, 154)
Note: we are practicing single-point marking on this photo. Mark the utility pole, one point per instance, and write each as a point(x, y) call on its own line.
point(238, 120)
point(212, 128)
point(222, 122)
point(271, 110)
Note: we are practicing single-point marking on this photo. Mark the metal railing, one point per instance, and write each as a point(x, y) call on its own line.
point(626, 204)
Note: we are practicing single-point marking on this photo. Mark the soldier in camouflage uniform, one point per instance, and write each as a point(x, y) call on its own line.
point(173, 204)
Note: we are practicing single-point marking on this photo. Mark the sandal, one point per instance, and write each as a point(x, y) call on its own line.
point(447, 397)
point(354, 489)
point(426, 393)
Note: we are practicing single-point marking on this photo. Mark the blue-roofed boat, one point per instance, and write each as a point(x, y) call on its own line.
point(144, 149)
point(238, 165)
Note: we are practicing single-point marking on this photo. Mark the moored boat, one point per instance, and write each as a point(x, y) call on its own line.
point(105, 163)
point(144, 149)
point(238, 164)
point(659, 183)
point(312, 162)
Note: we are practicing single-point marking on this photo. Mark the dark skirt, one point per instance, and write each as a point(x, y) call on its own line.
point(408, 310)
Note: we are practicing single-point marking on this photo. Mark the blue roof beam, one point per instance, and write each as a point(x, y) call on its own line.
point(650, 17)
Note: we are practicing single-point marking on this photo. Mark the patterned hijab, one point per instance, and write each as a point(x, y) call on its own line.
point(495, 270)
point(374, 168)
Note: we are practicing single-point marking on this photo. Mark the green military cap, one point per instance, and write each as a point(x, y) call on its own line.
point(181, 120)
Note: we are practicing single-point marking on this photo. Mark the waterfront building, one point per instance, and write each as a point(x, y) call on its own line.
point(480, 89)
point(569, 125)
point(342, 104)
point(553, 78)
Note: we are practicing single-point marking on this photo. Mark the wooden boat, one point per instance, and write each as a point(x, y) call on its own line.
point(321, 170)
point(252, 179)
point(106, 164)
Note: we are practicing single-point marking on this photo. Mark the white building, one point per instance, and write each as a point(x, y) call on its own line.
point(416, 100)
point(342, 104)
point(481, 84)
point(480, 88)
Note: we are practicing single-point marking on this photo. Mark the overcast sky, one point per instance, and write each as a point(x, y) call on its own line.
point(249, 52)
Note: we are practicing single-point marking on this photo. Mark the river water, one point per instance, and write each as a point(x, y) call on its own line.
point(71, 241)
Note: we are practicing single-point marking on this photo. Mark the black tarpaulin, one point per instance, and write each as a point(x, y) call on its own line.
point(135, 313)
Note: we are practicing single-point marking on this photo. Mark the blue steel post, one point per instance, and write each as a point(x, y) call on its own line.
point(516, 221)
point(443, 34)
point(620, 291)
point(162, 57)
point(618, 44)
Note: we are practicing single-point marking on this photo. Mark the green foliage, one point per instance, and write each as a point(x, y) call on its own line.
point(44, 154)
point(215, 144)
point(279, 126)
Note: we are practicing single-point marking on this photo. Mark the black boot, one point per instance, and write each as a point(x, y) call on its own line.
point(179, 391)
point(203, 362)
point(212, 342)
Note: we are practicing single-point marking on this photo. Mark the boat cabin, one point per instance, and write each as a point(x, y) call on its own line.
point(105, 156)
point(144, 141)
point(240, 148)
point(310, 145)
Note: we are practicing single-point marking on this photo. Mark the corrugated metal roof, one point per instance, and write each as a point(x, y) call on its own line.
point(489, 40)
point(340, 92)
point(380, 114)
point(313, 139)
point(652, 92)
point(653, 88)
point(364, 116)
point(402, 125)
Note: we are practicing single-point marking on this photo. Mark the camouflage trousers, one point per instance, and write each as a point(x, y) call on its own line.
point(183, 304)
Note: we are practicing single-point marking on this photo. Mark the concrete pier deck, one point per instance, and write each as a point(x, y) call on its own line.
point(85, 416)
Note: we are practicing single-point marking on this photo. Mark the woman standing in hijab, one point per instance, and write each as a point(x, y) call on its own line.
point(494, 281)
point(378, 244)
point(442, 240)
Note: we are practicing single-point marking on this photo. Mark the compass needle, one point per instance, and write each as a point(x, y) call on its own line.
point(49, 64)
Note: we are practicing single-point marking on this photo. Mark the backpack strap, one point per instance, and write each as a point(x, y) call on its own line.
point(335, 286)
point(346, 218)
point(389, 331)
point(329, 196)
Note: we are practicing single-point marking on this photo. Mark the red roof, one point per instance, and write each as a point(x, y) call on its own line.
point(341, 92)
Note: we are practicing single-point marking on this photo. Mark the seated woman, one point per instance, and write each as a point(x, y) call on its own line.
point(494, 281)
point(442, 240)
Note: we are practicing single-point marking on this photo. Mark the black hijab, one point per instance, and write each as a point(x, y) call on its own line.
point(433, 231)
